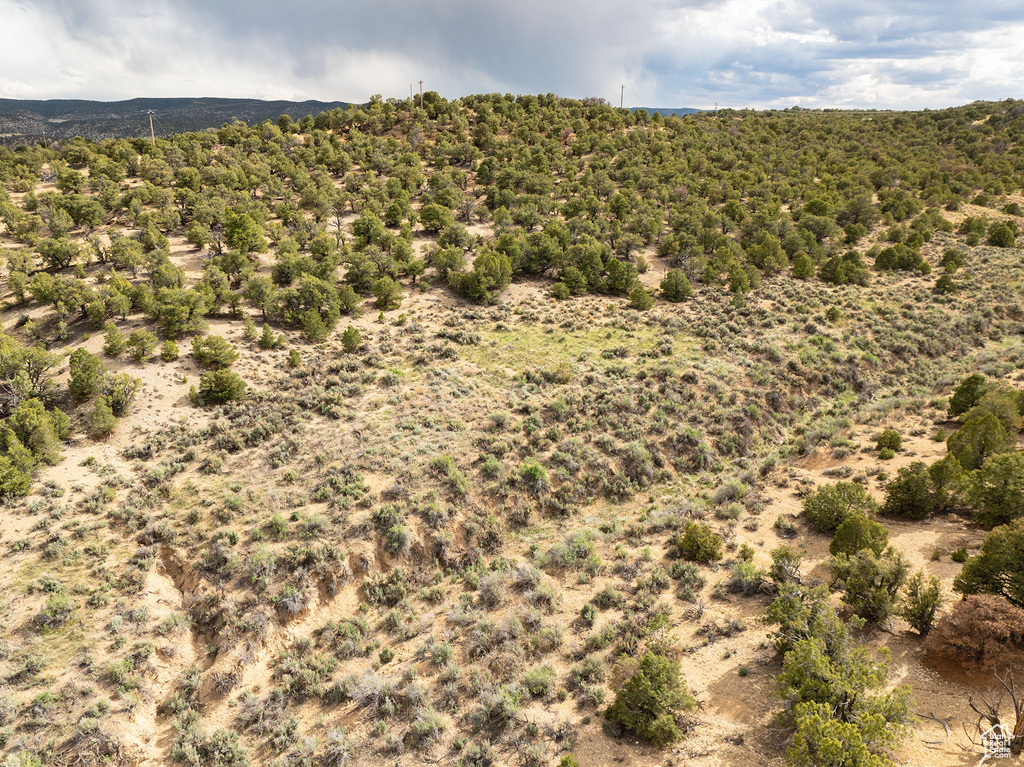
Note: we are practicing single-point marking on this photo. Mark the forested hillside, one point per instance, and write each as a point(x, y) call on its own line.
point(23, 121)
point(515, 430)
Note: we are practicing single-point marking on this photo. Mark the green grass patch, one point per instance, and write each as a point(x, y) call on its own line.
point(526, 347)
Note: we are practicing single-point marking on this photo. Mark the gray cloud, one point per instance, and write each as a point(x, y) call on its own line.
point(667, 52)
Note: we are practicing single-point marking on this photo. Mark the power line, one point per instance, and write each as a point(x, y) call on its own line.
point(163, 126)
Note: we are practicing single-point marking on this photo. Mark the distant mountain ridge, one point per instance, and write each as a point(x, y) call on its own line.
point(27, 121)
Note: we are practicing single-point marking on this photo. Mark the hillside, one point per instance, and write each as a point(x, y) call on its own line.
point(428, 435)
point(29, 121)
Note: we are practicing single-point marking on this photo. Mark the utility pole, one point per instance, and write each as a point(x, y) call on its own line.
point(421, 94)
point(152, 135)
point(410, 92)
point(622, 94)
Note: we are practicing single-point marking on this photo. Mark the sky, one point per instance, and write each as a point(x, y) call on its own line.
point(900, 54)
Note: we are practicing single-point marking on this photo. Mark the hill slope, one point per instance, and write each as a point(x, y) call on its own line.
point(394, 439)
point(64, 118)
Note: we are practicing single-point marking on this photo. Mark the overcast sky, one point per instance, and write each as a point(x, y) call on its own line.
point(668, 53)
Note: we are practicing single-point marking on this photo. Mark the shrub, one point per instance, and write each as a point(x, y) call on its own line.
point(978, 439)
point(675, 286)
point(218, 749)
point(999, 568)
point(385, 589)
point(1001, 402)
point(591, 671)
point(891, 439)
point(14, 481)
point(39, 430)
point(785, 565)
point(784, 527)
point(141, 344)
point(803, 266)
point(979, 632)
point(538, 680)
point(398, 539)
point(388, 293)
point(577, 552)
point(858, 533)
point(608, 597)
point(114, 341)
point(869, 581)
point(821, 739)
point(953, 256)
point(169, 351)
point(338, 748)
point(834, 691)
point(120, 391)
point(426, 727)
point(490, 275)
point(86, 374)
point(101, 420)
point(494, 589)
point(690, 581)
point(313, 326)
point(444, 466)
point(588, 614)
point(910, 493)
point(57, 611)
point(1001, 235)
point(351, 339)
point(698, 543)
point(650, 699)
point(830, 505)
point(746, 579)
point(560, 291)
point(491, 467)
point(213, 352)
point(947, 482)
point(220, 386)
point(497, 706)
point(640, 299)
point(967, 394)
point(996, 490)
point(945, 285)
point(534, 477)
point(269, 339)
point(478, 755)
point(921, 602)
point(802, 613)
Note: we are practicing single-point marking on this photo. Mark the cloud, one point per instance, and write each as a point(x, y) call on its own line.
point(903, 53)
